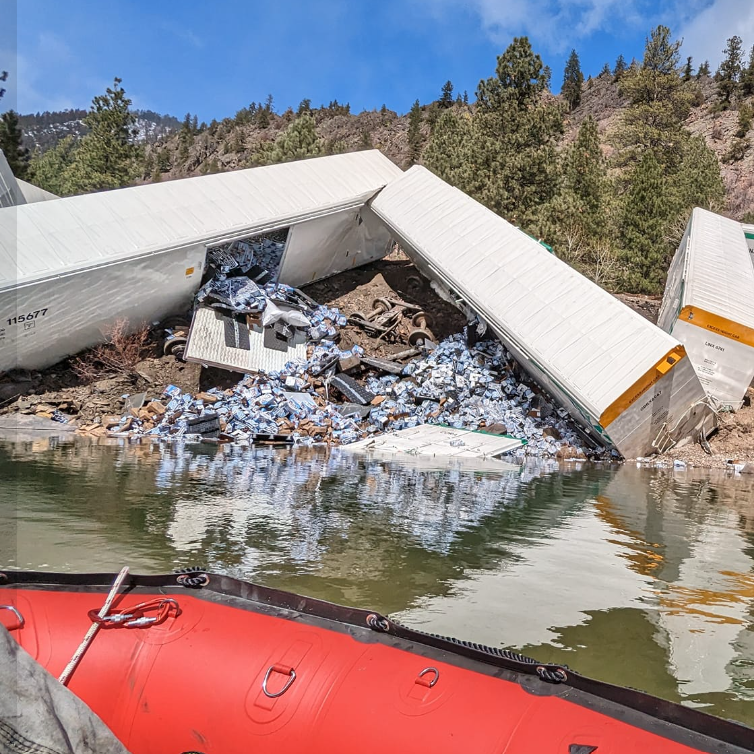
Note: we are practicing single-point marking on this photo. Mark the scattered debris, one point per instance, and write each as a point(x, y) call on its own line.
point(438, 440)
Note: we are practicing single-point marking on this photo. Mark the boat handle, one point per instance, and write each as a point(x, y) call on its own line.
point(19, 617)
point(429, 684)
point(283, 670)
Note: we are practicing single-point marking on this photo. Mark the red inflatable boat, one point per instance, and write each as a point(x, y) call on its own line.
point(205, 663)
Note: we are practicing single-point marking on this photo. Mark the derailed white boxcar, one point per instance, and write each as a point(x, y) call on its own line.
point(624, 380)
point(14, 191)
point(69, 268)
point(709, 305)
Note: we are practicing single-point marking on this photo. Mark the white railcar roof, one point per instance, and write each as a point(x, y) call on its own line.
point(720, 275)
point(586, 340)
point(47, 239)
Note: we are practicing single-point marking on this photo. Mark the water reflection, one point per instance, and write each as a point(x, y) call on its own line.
point(641, 577)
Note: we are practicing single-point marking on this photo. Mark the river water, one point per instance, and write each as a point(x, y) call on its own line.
point(642, 577)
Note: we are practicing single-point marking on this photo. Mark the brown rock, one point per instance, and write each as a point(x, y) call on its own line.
point(207, 398)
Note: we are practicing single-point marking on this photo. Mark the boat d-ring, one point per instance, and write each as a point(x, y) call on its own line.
point(429, 684)
point(19, 617)
point(283, 670)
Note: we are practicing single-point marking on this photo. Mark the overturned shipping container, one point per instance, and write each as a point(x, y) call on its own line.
point(624, 380)
point(71, 267)
point(709, 305)
point(14, 191)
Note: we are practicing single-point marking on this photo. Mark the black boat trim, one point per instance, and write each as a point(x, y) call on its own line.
point(684, 725)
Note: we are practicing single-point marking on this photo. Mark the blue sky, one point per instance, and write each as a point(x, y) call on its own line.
point(213, 57)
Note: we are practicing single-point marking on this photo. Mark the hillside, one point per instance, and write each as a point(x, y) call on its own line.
point(44, 130)
point(230, 143)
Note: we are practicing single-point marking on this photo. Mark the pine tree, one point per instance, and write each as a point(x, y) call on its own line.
point(745, 115)
point(446, 98)
point(449, 152)
point(747, 76)
point(262, 118)
point(605, 70)
point(106, 157)
point(414, 132)
point(509, 161)
point(186, 137)
point(304, 107)
point(644, 252)
point(573, 80)
point(703, 69)
point(465, 97)
point(520, 78)
point(658, 105)
point(11, 143)
point(195, 125)
point(687, 69)
point(163, 161)
point(50, 170)
point(698, 181)
point(585, 179)
point(297, 142)
point(620, 68)
point(729, 72)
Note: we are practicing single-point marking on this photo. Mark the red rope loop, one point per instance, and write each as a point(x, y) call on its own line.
point(134, 616)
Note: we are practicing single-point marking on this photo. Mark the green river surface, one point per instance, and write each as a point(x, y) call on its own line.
point(641, 577)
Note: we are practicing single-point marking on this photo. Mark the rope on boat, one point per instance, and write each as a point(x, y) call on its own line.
point(92, 632)
point(193, 577)
point(548, 673)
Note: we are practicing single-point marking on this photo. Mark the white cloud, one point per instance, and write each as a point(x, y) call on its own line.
point(705, 32)
point(556, 24)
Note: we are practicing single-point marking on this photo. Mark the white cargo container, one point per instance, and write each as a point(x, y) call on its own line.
point(626, 381)
point(709, 305)
point(69, 268)
point(14, 191)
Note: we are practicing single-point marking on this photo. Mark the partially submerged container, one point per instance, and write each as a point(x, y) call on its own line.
point(624, 380)
point(70, 268)
point(709, 306)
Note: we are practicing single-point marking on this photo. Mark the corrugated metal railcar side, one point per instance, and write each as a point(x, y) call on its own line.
point(70, 267)
point(709, 305)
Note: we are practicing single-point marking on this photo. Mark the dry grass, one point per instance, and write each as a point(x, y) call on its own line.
point(122, 350)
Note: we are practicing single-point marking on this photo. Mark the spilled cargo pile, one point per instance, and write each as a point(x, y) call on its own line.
point(338, 396)
point(469, 388)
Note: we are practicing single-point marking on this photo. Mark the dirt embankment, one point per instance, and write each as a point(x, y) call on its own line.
point(91, 404)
